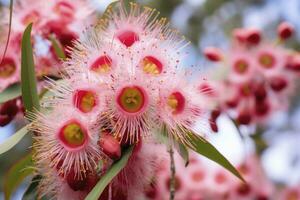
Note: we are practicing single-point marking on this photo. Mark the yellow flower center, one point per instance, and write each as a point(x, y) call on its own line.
point(85, 100)
point(151, 65)
point(267, 60)
point(131, 99)
point(7, 68)
point(73, 135)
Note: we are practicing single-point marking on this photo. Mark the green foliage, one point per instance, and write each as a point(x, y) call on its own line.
point(109, 175)
point(13, 140)
point(10, 93)
point(28, 79)
point(203, 147)
point(17, 173)
point(58, 49)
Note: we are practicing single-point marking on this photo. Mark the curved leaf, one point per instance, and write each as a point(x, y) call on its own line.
point(32, 191)
point(183, 152)
point(203, 147)
point(10, 93)
point(109, 175)
point(16, 174)
point(13, 140)
point(58, 49)
point(28, 79)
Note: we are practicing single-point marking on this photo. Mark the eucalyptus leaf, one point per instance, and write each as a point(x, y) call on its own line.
point(31, 192)
point(28, 80)
point(13, 140)
point(183, 152)
point(109, 175)
point(17, 173)
point(10, 93)
point(203, 147)
point(58, 49)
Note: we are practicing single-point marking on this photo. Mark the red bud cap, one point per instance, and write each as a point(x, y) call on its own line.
point(294, 63)
point(213, 54)
point(4, 120)
point(110, 146)
point(213, 125)
point(76, 183)
point(253, 36)
point(278, 83)
point(285, 30)
point(244, 118)
point(240, 35)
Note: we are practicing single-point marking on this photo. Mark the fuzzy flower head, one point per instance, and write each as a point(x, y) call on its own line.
point(60, 19)
point(123, 84)
point(68, 141)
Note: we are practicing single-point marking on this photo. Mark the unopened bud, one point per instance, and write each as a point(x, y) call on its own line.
point(285, 30)
point(213, 54)
point(253, 36)
point(244, 118)
point(278, 83)
point(110, 146)
point(240, 35)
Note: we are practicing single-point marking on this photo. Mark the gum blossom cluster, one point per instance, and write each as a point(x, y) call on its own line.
point(124, 84)
point(60, 18)
point(258, 75)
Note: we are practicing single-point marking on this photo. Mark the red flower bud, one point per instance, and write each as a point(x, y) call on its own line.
point(253, 36)
point(215, 114)
point(294, 63)
point(262, 108)
point(9, 108)
point(260, 92)
point(213, 125)
point(244, 118)
point(4, 120)
point(110, 146)
point(285, 30)
point(76, 183)
point(213, 54)
point(278, 83)
point(240, 35)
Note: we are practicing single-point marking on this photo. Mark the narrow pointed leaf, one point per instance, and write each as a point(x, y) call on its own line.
point(28, 80)
point(58, 49)
point(32, 191)
point(13, 140)
point(203, 147)
point(17, 173)
point(183, 152)
point(109, 175)
point(10, 93)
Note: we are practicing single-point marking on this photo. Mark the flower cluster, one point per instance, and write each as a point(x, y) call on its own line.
point(62, 18)
point(258, 75)
point(202, 180)
point(124, 83)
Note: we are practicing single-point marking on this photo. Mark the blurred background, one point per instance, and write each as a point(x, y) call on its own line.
point(209, 23)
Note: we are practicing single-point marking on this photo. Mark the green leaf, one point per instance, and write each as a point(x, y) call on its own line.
point(13, 140)
point(32, 191)
point(109, 175)
point(58, 49)
point(10, 93)
point(28, 79)
point(183, 152)
point(203, 147)
point(17, 173)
